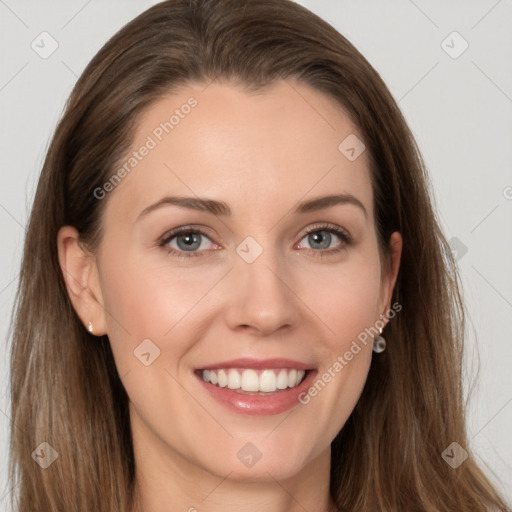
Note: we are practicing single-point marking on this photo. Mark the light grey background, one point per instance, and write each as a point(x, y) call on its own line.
point(460, 110)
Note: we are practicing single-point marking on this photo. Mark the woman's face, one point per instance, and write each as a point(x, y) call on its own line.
point(255, 287)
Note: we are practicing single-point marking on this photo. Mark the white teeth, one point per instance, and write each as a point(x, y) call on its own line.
point(250, 381)
point(292, 378)
point(223, 378)
point(282, 380)
point(268, 380)
point(233, 379)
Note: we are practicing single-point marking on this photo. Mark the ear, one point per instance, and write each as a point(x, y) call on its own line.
point(80, 274)
point(391, 271)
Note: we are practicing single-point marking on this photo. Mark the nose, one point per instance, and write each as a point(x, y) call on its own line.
point(261, 296)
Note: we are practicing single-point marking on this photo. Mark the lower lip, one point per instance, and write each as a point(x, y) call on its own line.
point(259, 405)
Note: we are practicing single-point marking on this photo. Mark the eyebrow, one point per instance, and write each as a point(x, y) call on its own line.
point(220, 208)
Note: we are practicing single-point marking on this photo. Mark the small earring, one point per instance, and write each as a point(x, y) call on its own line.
point(379, 344)
point(90, 327)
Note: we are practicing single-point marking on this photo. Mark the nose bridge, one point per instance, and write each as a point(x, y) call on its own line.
point(261, 292)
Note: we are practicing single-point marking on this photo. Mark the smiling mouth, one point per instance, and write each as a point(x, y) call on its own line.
point(254, 381)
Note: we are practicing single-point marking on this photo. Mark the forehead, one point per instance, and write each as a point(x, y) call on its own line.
point(255, 150)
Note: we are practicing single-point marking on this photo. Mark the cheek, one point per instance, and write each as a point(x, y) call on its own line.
point(346, 300)
point(345, 297)
point(156, 302)
point(348, 308)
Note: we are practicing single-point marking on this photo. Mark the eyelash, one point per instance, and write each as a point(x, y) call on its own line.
point(186, 230)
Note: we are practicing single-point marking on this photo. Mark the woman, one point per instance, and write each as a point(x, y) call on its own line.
point(191, 347)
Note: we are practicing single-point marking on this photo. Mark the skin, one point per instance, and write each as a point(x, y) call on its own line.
point(261, 153)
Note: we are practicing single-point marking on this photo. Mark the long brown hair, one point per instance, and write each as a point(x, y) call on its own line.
point(65, 388)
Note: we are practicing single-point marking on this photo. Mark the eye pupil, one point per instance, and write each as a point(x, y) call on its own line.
point(190, 239)
point(317, 237)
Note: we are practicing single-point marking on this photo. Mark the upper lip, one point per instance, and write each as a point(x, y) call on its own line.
point(248, 362)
